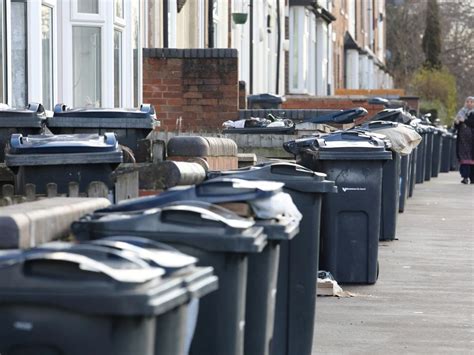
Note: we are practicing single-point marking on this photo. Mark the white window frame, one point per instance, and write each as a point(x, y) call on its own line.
point(300, 15)
point(80, 16)
point(172, 23)
point(120, 21)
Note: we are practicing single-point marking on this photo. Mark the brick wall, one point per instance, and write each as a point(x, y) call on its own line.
point(331, 103)
point(191, 89)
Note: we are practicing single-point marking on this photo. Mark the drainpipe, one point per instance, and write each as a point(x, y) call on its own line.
point(277, 89)
point(251, 48)
point(165, 24)
point(210, 24)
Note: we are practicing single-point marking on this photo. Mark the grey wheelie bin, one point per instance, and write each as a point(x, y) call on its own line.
point(296, 289)
point(130, 125)
point(390, 181)
point(262, 267)
point(63, 159)
point(89, 300)
point(412, 171)
point(446, 152)
point(30, 120)
point(214, 235)
point(350, 220)
point(437, 151)
point(421, 152)
point(430, 133)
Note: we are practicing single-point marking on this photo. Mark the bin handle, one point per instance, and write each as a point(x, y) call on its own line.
point(147, 108)
point(290, 169)
point(110, 138)
point(88, 264)
point(110, 252)
point(59, 108)
point(35, 107)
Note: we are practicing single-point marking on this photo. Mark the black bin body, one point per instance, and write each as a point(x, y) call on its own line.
point(429, 152)
point(390, 181)
point(262, 267)
point(29, 121)
point(296, 289)
point(421, 152)
point(109, 302)
point(446, 153)
point(62, 159)
point(454, 153)
point(437, 151)
point(216, 238)
point(404, 181)
point(129, 125)
point(350, 220)
point(413, 167)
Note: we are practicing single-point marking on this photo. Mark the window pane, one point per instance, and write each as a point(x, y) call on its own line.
point(2, 53)
point(18, 55)
point(117, 67)
point(136, 44)
point(88, 6)
point(86, 43)
point(119, 8)
point(47, 55)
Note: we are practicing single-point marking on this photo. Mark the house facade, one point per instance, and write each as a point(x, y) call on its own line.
point(79, 52)
point(89, 52)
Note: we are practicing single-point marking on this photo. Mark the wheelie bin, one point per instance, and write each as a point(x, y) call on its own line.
point(446, 152)
point(31, 120)
point(214, 235)
point(62, 159)
point(130, 125)
point(437, 151)
point(421, 153)
point(296, 289)
point(109, 301)
point(413, 167)
point(350, 220)
point(430, 133)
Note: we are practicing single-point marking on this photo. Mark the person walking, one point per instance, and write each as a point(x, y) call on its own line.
point(464, 124)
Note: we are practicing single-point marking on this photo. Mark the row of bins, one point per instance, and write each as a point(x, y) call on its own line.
point(264, 303)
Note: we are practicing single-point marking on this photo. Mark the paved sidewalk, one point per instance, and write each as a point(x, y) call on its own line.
point(423, 302)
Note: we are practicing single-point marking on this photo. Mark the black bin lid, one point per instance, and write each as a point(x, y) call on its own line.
point(394, 115)
point(144, 117)
point(225, 190)
point(33, 116)
point(264, 98)
point(88, 279)
point(349, 145)
point(294, 176)
point(63, 149)
point(198, 224)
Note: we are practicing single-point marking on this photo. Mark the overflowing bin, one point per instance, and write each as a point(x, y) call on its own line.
point(130, 125)
point(296, 289)
point(218, 238)
point(63, 159)
point(30, 120)
point(350, 220)
point(110, 300)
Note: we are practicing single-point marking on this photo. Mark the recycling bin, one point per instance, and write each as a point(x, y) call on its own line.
point(430, 133)
point(350, 220)
point(30, 120)
point(130, 125)
point(296, 287)
point(446, 153)
point(110, 302)
point(262, 267)
point(62, 159)
point(437, 151)
point(214, 235)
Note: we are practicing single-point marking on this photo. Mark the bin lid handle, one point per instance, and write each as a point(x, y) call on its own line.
point(87, 264)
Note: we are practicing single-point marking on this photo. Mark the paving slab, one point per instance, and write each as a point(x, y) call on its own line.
point(423, 301)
